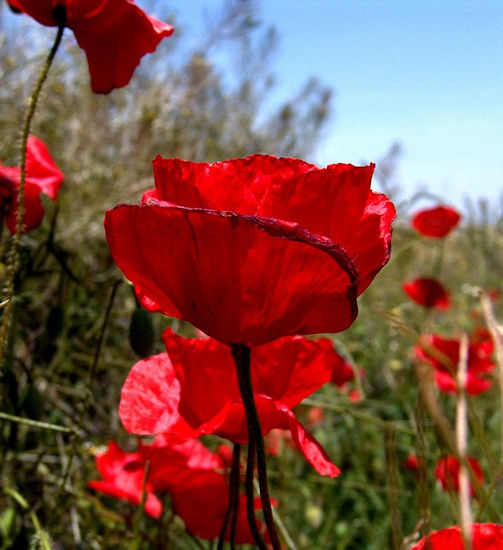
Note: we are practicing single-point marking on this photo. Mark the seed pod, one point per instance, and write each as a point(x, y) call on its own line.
point(141, 333)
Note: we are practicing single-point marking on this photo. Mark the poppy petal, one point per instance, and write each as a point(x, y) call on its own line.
point(113, 51)
point(238, 185)
point(150, 397)
point(427, 292)
point(436, 222)
point(231, 424)
point(114, 34)
point(485, 536)
point(208, 491)
point(227, 289)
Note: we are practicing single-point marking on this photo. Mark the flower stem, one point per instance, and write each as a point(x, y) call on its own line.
point(241, 355)
point(250, 495)
point(13, 259)
point(233, 506)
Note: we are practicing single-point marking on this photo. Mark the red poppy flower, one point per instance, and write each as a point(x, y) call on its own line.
point(208, 491)
point(427, 292)
point(189, 471)
point(436, 222)
point(443, 355)
point(114, 34)
point(414, 463)
point(174, 461)
point(447, 473)
point(193, 390)
point(249, 250)
point(42, 176)
point(485, 536)
point(123, 475)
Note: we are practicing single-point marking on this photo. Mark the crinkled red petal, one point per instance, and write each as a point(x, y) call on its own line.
point(240, 279)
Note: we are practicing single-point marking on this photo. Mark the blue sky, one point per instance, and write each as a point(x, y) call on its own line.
point(428, 74)
point(425, 73)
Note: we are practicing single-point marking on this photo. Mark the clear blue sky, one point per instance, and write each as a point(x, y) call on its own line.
point(427, 73)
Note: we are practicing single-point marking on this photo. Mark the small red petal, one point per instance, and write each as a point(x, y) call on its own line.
point(436, 222)
point(485, 536)
point(427, 292)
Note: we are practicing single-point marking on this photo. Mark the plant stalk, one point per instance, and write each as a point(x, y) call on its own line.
point(241, 355)
point(13, 259)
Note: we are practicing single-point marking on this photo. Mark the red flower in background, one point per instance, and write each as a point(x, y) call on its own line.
point(123, 477)
point(443, 355)
point(427, 292)
point(315, 416)
point(114, 34)
point(485, 536)
point(193, 390)
point(276, 439)
point(42, 176)
point(414, 463)
point(355, 396)
point(447, 473)
point(250, 250)
point(189, 471)
point(436, 222)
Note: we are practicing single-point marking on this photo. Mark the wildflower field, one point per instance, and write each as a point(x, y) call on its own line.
point(207, 342)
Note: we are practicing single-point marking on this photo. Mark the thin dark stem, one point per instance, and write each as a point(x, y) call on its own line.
point(250, 494)
point(241, 354)
point(233, 506)
point(14, 250)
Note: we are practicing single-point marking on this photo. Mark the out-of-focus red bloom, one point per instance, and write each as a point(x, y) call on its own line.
point(114, 34)
point(189, 471)
point(342, 373)
point(42, 176)
point(481, 334)
point(275, 440)
point(193, 390)
point(250, 250)
point(447, 473)
point(427, 292)
point(443, 355)
point(414, 463)
point(123, 477)
point(485, 536)
point(354, 396)
point(436, 222)
point(315, 416)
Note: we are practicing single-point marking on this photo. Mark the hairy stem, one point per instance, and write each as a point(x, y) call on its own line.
point(13, 258)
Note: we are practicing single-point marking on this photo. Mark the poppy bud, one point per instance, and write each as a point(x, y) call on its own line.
point(141, 333)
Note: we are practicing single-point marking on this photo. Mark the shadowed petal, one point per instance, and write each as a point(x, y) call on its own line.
point(239, 279)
